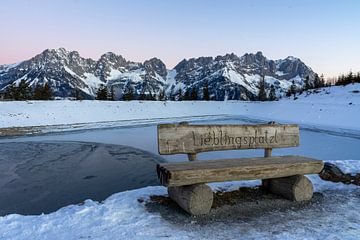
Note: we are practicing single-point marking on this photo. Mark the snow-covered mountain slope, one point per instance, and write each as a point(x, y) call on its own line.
point(227, 77)
point(67, 72)
point(232, 77)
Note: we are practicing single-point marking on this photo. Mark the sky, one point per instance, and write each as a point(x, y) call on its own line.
point(325, 34)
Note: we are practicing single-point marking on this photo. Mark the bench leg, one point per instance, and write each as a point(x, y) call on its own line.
point(195, 199)
point(297, 188)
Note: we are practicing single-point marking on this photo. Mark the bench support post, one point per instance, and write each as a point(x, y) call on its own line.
point(192, 157)
point(267, 153)
point(195, 199)
point(296, 188)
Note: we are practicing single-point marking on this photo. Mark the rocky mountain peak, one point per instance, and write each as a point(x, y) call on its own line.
point(157, 66)
point(227, 77)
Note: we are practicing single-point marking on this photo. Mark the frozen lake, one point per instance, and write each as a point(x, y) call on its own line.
point(317, 144)
point(55, 170)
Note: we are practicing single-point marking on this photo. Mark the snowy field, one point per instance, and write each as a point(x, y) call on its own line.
point(334, 215)
point(122, 216)
point(333, 108)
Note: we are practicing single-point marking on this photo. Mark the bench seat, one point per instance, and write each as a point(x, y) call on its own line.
point(188, 173)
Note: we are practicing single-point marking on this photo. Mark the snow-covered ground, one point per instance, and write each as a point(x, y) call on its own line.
point(336, 110)
point(122, 216)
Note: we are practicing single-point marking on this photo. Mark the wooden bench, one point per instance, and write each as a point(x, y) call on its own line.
point(283, 175)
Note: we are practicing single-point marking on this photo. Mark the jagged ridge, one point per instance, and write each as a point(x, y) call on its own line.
point(227, 77)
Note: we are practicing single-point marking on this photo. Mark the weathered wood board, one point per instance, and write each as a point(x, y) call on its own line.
point(180, 174)
point(178, 138)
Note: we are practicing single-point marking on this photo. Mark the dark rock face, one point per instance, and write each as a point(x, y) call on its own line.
point(334, 174)
point(226, 77)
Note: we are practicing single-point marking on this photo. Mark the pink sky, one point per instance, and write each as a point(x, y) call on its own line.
point(324, 34)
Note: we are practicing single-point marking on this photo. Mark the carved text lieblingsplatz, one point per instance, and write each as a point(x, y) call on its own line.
point(220, 138)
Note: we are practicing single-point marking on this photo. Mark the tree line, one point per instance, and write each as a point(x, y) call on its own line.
point(106, 94)
point(23, 91)
point(292, 91)
point(348, 78)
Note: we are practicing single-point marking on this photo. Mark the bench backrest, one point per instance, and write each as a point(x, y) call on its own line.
point(192, 139)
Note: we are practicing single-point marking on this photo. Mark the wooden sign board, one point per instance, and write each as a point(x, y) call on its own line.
point(183, 138)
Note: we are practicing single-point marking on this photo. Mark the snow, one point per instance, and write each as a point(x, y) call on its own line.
point(114, 74)
point(170, 77)
point(239, 79)
point(121, 216)
point(280, 73)
point(6, 67)
point(92, 82)
point(291, 58)
point(134, 76)
point(340, 109)
point(70, 71)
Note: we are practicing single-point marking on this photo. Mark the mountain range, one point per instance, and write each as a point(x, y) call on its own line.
point(227, 77)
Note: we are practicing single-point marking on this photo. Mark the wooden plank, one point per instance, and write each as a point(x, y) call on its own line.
point(179, 174)
point(182, 138)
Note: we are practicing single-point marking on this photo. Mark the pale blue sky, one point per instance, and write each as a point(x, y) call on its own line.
point(325, 34)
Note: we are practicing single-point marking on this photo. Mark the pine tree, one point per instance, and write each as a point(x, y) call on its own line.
point(128, 94)
point(150, 96)
point(193, 95)
point(112, 93)
point(162, 96)
point(293, 88)
point(10, 92)
point(47, 93)
point(307, 83)
point(23, 91)
point(206, 94)
point(180, 95)
point(102, 93)
point(42, 92)
point(272, 94)
point(319, 81)
point(142, 96)
point(322, 80)
point(350, 77)
point(262, 92)
point(38, 92)
point(172, 97)
point(77, 94)
point(186, 96)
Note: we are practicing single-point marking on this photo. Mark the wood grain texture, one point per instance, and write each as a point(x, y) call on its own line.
point(296, 188)
point(195, 199)
point(180, 174)
point(184, 138)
